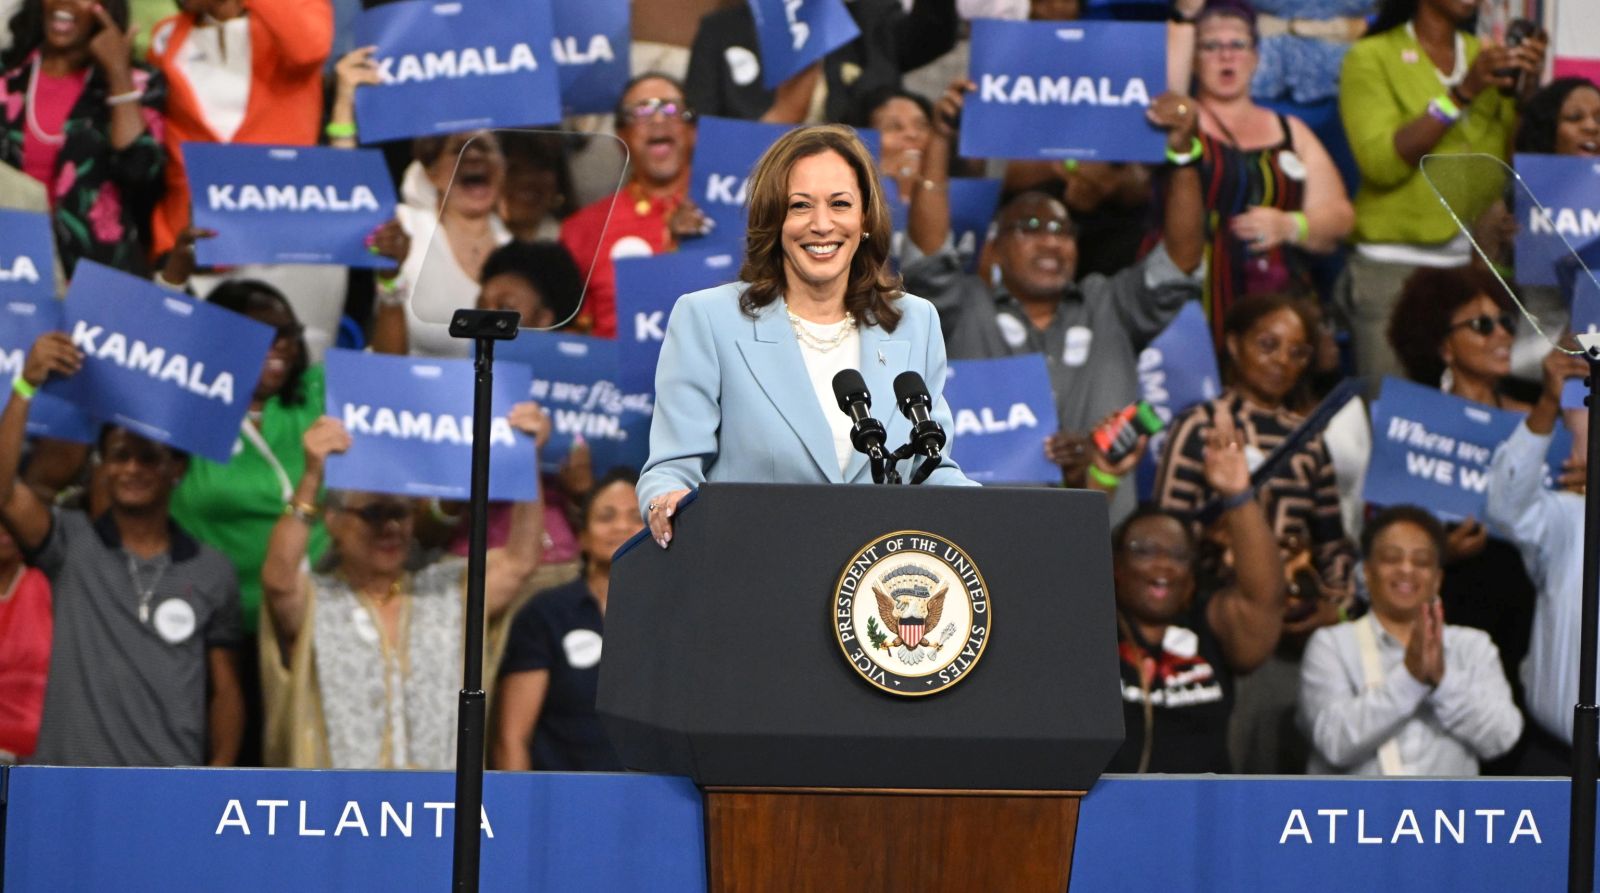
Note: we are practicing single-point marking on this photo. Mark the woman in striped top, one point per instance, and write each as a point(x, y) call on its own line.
point(1270, 187)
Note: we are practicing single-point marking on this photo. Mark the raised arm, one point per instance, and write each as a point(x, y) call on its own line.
point(1247, 617)
point(508, 569)
point(928, 218)
point(25, 514)
point(1183, 224)
point(283, 572)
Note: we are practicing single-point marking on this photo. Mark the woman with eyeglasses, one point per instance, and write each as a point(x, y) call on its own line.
point(371, 639)
point(232, 506)
point(1272, 191)
point(1183, 634)
point(1268, 348)
point(1453, 329)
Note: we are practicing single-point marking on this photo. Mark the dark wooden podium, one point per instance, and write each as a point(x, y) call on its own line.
point(722, 664)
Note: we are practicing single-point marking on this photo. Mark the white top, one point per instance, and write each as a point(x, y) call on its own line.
point(216, 60)
point(1444, 731)
point(439, 286)
point(822, 366)
point(1547, 526)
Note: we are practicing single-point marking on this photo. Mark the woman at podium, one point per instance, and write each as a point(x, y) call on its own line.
point(744, 384)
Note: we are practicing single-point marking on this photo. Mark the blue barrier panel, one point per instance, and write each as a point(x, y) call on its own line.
point(274, 830)
point(1322, 834)
point(261, 830)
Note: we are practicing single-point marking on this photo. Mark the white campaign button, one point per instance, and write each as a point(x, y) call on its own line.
point(631, 246)
point(1076, 351)
point(1291, 165)
point(1011, 329)
point(174, 620)
point(743, 66)
point(582, 647)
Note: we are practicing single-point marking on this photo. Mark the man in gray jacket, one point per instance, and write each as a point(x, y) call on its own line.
point(1090, 333)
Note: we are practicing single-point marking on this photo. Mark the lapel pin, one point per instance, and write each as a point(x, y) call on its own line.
point(881, 360)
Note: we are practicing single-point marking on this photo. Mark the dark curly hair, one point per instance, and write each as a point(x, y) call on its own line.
point(881, 96)
point(1421, 319)
point(243, 296)
point(27, 29)
point(1536, 133)
point(547, 267)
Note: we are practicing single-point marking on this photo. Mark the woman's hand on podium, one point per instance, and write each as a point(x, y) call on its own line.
point(659, 514)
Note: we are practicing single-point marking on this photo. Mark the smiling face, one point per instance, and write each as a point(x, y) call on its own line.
point(1578, 127)
point(1471, 353)
point(1403, 571)
point(612, 518)
point(1225, 57)
point(905, 132)
point(478, 176)
point(140, 474)
point(371, 533)
point(1036, 249)
point(1269, 358)
point(822, 228)
point(1153, 570)
point(659, 137)
point(286, 347)
point(68, 24)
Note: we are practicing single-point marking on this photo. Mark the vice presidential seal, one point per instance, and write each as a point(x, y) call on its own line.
point(911, 613)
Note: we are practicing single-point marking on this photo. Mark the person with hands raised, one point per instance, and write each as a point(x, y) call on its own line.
point(1183, 637)
point(1090, 332)
point(79, 117)
point(372, 642)
point(1547, 527)
point(1399, 691)
point(143, 666)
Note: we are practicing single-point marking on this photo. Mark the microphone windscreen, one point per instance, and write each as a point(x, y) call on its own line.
point(848, 387)
point(909, 387)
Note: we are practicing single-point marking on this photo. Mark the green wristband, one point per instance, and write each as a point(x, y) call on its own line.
point(1186, 158)
point(1104, 478)
point(340, 130)
point(22, 388)
point(1302, 227)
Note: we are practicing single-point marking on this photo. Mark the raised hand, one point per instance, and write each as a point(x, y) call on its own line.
point(1179, 116)
point(112, 50)
point(531, 419)
point(1226, 469)
point(325, 437)
point(947, 111)
point(689, 222)
point(53, 353)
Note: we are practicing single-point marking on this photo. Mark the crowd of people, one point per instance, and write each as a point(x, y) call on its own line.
point(162, 609)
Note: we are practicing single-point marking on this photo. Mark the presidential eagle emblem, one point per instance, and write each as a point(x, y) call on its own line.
point(911, 613)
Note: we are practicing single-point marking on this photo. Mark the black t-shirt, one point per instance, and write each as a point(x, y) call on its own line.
point(1191, 693)
point(560, 630)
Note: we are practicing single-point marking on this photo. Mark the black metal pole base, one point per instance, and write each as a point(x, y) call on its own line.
point(469, 790)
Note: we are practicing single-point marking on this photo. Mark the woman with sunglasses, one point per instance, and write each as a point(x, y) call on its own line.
point(233, 506)
point(1453, 329)
point(1268, 348)
point(371, 640)
point(1272, 191)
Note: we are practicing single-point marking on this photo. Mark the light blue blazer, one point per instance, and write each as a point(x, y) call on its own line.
point(734, 401)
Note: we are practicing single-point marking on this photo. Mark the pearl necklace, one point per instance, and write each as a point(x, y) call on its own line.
point(49, 139)
point(822, 345)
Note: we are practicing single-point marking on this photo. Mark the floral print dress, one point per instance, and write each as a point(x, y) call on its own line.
point(102, 196)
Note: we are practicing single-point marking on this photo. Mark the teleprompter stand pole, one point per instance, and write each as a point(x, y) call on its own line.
point(484, 327)
point(1585, 714)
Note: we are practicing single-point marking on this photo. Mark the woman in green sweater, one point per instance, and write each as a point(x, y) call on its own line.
point(233, 506)
point(1419, 85)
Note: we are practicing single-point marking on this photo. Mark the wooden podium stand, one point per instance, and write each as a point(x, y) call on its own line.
point(887, 841)
point(722, 664)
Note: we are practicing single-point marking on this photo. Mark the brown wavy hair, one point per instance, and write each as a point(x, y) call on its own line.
point(872, 287)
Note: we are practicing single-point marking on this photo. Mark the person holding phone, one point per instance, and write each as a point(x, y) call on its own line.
point(78, 116)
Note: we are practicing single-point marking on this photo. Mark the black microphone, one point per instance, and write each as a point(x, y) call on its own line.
point(911, 395)
point(867, 434)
